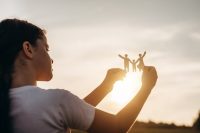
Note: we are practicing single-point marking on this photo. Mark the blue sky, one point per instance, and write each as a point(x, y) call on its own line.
point(85, 38)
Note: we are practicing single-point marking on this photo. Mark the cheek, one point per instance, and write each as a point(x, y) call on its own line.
point(48, 63)
point(44, 70)
point(43, 63)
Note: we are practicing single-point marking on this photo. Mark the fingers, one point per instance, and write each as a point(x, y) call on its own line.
point(117, 71)
point(115, 74)
point(149, 77)
point(150, 69)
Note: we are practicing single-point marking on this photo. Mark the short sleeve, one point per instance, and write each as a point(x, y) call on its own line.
point(77, 113)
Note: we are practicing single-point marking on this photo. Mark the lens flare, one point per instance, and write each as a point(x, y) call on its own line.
point(127, 88)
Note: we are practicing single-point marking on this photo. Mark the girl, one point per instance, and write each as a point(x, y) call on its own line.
point(26, 108)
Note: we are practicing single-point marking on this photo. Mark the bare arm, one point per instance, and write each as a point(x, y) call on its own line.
point(105, 87)
point(144, 54)
point(121, 56)
point(137, 60)
point(98, 94)
point(129, 113)
point(120, 123)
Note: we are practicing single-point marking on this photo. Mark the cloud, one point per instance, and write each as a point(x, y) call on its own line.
point(85, 38)
point(195, 36)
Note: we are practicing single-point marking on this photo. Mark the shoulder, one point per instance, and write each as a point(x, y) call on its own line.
point(62, 93)
point(63, 97)
point(57, 94)
point(35, 93)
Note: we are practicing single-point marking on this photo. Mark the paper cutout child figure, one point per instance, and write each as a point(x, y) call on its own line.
point(141, 61)
point(133, 62)
point(126, 62)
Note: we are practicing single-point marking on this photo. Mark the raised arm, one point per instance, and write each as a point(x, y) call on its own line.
point(105, 87)
point(121, 56)
point(120, 123)
point(144, 54)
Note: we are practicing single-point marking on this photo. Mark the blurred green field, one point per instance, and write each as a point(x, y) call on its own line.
point(152, 127)
point(155, 130)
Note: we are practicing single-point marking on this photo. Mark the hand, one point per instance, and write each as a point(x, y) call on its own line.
point(149, 77)
point(113, 75)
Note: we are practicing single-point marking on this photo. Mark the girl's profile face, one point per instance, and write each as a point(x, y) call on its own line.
point(42, 60)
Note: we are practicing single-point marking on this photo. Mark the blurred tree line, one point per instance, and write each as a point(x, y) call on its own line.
point(161, 125)
point(196, 124)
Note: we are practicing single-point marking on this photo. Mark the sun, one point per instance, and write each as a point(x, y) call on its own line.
point(127, 88)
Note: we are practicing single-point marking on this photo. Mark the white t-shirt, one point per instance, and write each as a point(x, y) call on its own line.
point(36, 110)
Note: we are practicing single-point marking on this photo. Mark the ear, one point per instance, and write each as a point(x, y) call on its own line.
point(28, 49)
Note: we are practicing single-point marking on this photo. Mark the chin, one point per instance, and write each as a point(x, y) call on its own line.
point(46, 78)
point(49, 77)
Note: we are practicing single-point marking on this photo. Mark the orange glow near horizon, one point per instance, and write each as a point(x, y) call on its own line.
point(127, 88)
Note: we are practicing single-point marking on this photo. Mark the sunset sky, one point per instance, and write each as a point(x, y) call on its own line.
point(86, 36)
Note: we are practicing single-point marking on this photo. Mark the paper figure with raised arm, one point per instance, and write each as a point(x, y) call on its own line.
point(140, 66)
point(133, 62)
point(126, 62)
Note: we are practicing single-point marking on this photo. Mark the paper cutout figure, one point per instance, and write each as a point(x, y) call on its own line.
point(126, 62)
point(133, 62)
point(140, 66)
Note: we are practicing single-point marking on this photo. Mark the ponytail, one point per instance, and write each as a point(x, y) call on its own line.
point(13, 33)
point(5, 82)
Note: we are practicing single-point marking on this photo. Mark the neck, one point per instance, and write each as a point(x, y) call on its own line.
point(18, 83)
point(19, 80)
point(23, 75)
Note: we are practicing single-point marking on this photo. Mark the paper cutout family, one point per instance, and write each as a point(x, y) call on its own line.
point(133, 62)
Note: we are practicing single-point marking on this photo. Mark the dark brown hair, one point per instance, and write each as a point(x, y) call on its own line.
point(13, 32)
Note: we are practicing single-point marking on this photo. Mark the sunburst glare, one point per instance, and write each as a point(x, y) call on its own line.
point(127, 88)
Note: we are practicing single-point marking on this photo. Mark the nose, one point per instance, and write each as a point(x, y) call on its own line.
point(52, 61)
